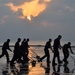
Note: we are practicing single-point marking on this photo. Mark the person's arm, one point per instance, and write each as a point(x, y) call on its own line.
point(9, 48)
point(52, 50)
point(59, 44)
point(71, 50)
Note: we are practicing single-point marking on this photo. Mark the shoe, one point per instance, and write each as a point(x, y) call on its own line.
point(66, 62)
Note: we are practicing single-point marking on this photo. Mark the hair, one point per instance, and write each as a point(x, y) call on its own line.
point(59, 36)
point(8, 40)
point(19, 39)
point(69, 42)
point(27, 39)
point(50, 39)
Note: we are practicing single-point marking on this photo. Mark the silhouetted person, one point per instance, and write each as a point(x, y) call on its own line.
point(66, 49)
point(56, 47)
point(26, 49)
point(17, 53)
point(23, 50)
point(5, 47)
point(23, 44)
point(46, 50)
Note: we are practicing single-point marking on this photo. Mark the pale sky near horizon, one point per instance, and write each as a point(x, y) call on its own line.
point(51, 19)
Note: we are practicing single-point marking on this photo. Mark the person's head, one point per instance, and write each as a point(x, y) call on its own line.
point(50, 40)
point(19, 39)
point(59, 36)
point(27, 39)
point(24, 39)
point(8, 40)
point(69, 43)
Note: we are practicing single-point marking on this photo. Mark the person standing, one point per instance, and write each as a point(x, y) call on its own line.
point(66, 48)
point(26, 49)
point(6, 47)
point(56, 47)
point(46, 50)
point(23, 46)
point(17, 52)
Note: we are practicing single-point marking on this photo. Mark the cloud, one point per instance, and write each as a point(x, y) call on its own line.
point(66, 9)
point(32, 8)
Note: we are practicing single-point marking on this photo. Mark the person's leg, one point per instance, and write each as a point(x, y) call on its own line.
point(2, 54)
point(7, 56)
point(53, 62)
point(54, 56)
point(13, 59)
point(26, 54)
point(64, 57)
point(58, 57)
point(48, 57)
point(67, 55)
point(42, 57)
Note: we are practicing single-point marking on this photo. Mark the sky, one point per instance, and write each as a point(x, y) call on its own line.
point(37, 19)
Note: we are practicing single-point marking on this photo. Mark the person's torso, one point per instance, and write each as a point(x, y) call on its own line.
point(5, 46)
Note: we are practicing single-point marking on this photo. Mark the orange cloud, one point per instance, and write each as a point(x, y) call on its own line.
point(28, 9)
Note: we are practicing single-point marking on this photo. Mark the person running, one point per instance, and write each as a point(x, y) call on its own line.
point(17, 53)
point(56, 47)
point(66, 48)
point(46, 50)
point(5, 47)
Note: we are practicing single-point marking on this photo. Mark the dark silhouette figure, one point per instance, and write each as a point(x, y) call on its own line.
point(23, 50)
point(66, 48)
point(23, 44)
point(17, 52)
point(46, 50)
point(5, 47)
point(56, 46)
point(26, 49)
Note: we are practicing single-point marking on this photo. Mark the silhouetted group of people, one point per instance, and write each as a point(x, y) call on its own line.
point(21, 52)
point(55, 50)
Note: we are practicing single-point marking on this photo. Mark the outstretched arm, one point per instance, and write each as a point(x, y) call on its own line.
point(9, 49)
point(71, 50)
point(52, 49)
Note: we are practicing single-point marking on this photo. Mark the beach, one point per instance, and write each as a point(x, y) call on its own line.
point(40, 68)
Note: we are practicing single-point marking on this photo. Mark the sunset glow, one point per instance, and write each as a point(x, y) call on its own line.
point(28, 9)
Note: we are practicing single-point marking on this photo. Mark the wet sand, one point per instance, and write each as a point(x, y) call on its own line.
point(40, 68)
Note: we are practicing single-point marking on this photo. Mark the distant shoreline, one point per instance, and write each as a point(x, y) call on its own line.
point(32, 46)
